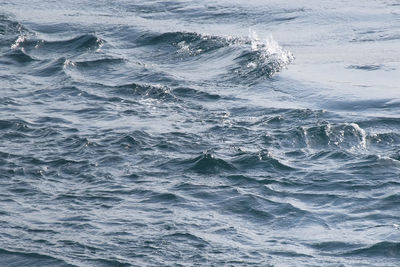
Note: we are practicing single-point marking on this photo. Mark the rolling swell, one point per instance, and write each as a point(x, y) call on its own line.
point(252, 58)
point(9, 258)
point(381, 249)
point(41, 46)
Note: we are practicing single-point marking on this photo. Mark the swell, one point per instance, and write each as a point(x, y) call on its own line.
point(18, 57)
point(380, 249)
point(80, 43)
point(9, 29)
point(15, 259)
point(216, 13)
point(248, 59)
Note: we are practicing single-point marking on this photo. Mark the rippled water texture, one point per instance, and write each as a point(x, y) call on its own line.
point(211, 133)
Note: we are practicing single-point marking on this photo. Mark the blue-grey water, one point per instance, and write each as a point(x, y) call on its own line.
point(199, 133)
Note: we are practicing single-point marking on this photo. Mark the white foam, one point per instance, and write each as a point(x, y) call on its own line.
point(270, 49)
point(363, 135)
point(17, 43)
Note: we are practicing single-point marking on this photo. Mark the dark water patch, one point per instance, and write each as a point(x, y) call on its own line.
point(188, 239)
point(17, 259)
point(109, 262)
point(376, 36)
point(365, 67)
point(191, 41)
point(64, 167)
point(76, 143)
point(190, 93)
point(248, 207)
point(16, 125)
point(244, 180)
point(146, 91)
point(82, 43)
point(9, 101)
point(215, 13)
point(208, 163)
point(389, 123)
point(395, 155)
point(384, 140)
point(21, 129)
point(157, 197)
point(97, 63)
point(61, 162)
point(85, 198)
point(129, 141)
point(260, 210)
point(92, 112)
point(25, 188)
point(17, 57)
point(374, 164)
point(252, 66)
point(79, 43)
point(50, 68)
point(317, 136)
point(335, 155)
point(76, 92)
point(149, 9)
point(9, 32)
point(381, 249)
point(51, 120)
point(391, 201)
point(362, 105)
point(8, 26)
point(181, 142)
point(54, 28)
point(204, 192)
point(344, 136)
point(299, 154)
point(261, 160)
point(334, 247)
point(290, 254)
point(293, 138)
point(110, 160)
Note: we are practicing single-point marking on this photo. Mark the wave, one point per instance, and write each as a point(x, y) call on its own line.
point(192, 94)
point(7, 25)
point(362, 105)
point(208, 163)
point(9, 29)
point(381, 249)
point(16, 259)
point(145, 90)
point(50, 68)
point(335, 246)
point(85, 42)
point(95, 63)
point(262, 159)
point(18, 57)
point(347, 136)
point(365, 67)
point(261, 59)
point(376, 35)
point(185, 42)
point(246, 59)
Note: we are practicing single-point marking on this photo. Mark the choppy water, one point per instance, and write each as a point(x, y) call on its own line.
point(211, 133)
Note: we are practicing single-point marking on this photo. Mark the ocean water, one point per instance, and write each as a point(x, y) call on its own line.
point(199, 133)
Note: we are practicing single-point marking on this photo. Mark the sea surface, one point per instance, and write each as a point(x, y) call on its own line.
point(199, 133)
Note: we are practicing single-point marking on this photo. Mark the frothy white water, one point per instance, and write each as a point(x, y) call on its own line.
point(270, 49)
